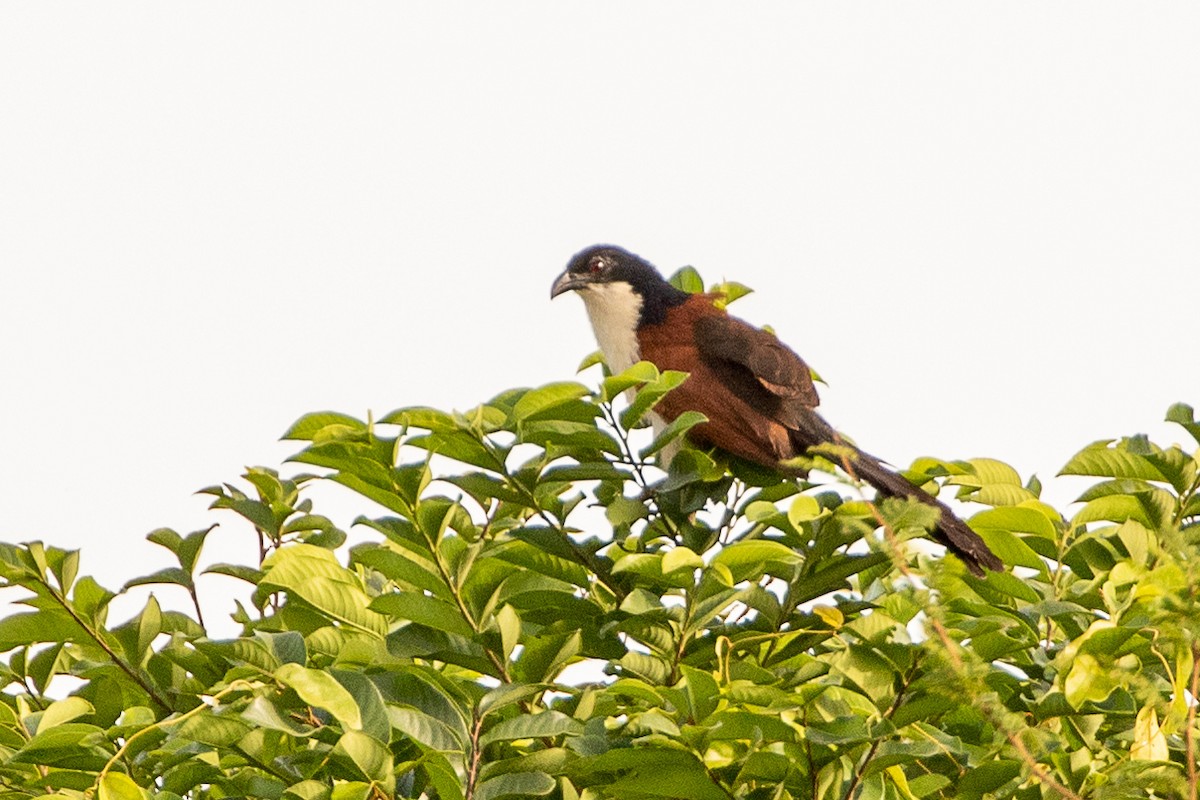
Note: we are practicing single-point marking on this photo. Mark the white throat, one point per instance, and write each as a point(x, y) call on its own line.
point(614, 309)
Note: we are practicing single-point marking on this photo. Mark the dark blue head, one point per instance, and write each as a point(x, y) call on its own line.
point(603, 264)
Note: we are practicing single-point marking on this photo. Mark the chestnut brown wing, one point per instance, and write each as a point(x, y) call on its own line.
point(760, 355)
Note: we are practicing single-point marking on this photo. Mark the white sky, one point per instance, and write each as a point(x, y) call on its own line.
point(979, 222)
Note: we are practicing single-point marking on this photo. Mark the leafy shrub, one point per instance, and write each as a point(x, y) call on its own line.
point(748, 637)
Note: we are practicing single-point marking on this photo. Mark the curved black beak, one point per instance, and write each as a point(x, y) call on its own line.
point(567, 283)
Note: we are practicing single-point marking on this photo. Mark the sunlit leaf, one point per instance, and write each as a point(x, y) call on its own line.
point(313, 575)
point(319, 688)
point(545, 398)
point(532, 726)
point(423, 610)
point(516, 784)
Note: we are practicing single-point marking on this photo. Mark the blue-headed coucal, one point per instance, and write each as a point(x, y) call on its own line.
point(757, 394)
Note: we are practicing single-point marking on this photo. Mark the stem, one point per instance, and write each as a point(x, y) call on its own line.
point(238, 685)
point(473, 767)
point(1190, 731)
point(866, 760)
point(196, 604)
point(497, 661)
point(950, 647)
point(148, 688)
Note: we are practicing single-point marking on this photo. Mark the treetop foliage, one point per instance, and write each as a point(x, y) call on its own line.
point(538, 611)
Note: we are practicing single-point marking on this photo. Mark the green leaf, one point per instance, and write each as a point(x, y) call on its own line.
point(649, 395)
point(65, 710)
point(508, 694)
point(687, 279)
point(71, 745)
point(538, 401)
point(370, 757)
point(532, 726)
point(833, 573)
point(519, 784)
point(173, 575)
point(308, 426)
point(643, 772)
point(701, 691)
point(641, 372)
point(119, 786)
point(1113, 508)
point(752, 557)
point(730, 291)
point(1008, 548)
point(987, 777)
point(1184, 415)
point(36, 627)
point(320, 689)
point(313, 575)
point(425, 729)
point(1100, 460)
point(680, 558)
point(804, 508)
point(461, 446)
point(263, 713)
point(543, 656)
point(509, 624)
point(1031, 519)
point(678, 427)
point(368, 698)
point(423, 610)
point(239, 571)
point(990, 471)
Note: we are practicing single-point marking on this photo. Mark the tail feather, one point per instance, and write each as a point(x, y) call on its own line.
point(951, 531)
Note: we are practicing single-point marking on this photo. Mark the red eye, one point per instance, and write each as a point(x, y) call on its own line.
point(595, 265)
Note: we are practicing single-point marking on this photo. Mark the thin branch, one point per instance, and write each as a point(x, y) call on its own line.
point(148, 688)
point(952, 650)
point(1190, 731)
point(476, 757)
point(860, 773)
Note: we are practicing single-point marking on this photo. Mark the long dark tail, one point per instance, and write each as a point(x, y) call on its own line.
point(951, 531)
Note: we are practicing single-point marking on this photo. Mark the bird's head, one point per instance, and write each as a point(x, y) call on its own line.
point(622, 292)
point(601, 267)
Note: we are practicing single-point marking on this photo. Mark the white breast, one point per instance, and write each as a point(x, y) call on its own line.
point(613, 309)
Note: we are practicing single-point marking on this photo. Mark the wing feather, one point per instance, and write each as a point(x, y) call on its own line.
point(773, 364)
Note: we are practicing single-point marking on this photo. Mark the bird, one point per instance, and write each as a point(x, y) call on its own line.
point(757, 394)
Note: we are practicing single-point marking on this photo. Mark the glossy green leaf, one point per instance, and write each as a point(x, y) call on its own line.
point(532, 726)
point(614, 385)
point(370, 757)
point(1114, 508)
point(673, 432)
point(648, 395)
point(65, 710)
point(119, 786)
point(1102, 460)
point(748, 558)
point(308, 426)
point(544, 399)
point(319, 688)
point(425, 729)
point(1184, 415)
point(312, 574)
point(651, 772)
point(516, 784)
point(423, 610)
point(687, 279)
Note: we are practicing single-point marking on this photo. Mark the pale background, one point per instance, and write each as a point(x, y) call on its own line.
point(979, 222)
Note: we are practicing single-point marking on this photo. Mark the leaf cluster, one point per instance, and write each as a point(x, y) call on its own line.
point(537, 611)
